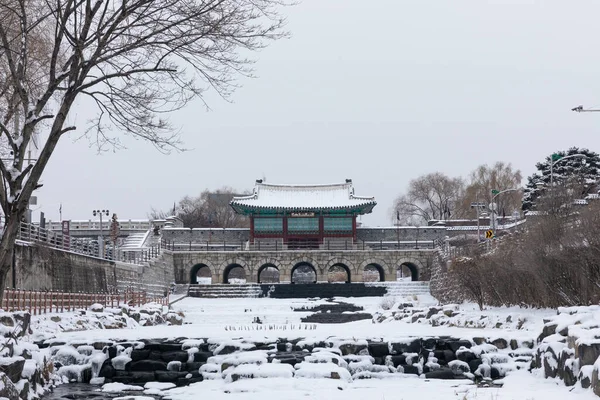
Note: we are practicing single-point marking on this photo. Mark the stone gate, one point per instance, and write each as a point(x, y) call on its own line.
point(187, 264)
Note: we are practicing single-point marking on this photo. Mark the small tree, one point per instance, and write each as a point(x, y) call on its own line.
point(210, 209)
point(471, 278)
point(114, 229)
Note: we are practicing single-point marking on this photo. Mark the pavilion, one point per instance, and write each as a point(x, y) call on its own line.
point(302, 216)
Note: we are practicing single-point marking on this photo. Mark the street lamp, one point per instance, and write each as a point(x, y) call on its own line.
point(581, 109)
point(497, 193)
point(101, 238)
point(555, 159)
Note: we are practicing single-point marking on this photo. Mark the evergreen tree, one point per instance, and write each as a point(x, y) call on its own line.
point(114, 229)
point(578, 175)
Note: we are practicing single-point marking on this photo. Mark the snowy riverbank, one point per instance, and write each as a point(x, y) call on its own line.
point(218, 322)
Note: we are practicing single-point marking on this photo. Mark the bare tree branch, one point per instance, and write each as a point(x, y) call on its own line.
point(137, 60)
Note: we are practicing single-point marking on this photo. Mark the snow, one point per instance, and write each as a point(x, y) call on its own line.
point(519, 385)
point(212, 318)
point(253, 357)
point(159, 385)
point(303, 197)
point(29, 368)
point(9, 360)
point(325, 374)
point(260, 371)
point(72, 372)
point(321, 370)
point(119, 362)
point(192, 343)
point(67, 355)
point(116, 387)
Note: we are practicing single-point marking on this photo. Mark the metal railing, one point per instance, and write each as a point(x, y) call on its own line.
point(451, 252)
point(86, 247)
point(279, 245)
point(90, 224)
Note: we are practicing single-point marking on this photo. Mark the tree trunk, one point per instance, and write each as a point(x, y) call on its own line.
point(7, 248)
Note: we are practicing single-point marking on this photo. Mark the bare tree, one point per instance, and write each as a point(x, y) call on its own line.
point(220, 214)
point(134, 60)
point(429, 197)
point(210, 209)
point(484, 179)
point(553, 263)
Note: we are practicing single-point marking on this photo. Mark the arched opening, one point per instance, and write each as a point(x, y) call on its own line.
point(234, 273)
point(407, 272)
point(304, 272)
point(373, 273)
point(200, 274)
point(268, 273)
point(338, 273)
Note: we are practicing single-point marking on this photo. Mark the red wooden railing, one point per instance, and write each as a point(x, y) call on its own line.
point(40, 302)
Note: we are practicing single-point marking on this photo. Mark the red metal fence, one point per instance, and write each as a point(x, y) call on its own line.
point(39, 302)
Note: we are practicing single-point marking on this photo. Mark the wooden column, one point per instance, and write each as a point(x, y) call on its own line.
point(251, 229)
point(285, 229)
point(321, 229)
point(354, 228)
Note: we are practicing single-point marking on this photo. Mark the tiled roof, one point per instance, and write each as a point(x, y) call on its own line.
point(304, 197)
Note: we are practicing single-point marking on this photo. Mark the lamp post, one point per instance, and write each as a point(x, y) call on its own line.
point(555, 159)
point(497, 193)
point(478, 205)
point(101, 238)
point(581, 109)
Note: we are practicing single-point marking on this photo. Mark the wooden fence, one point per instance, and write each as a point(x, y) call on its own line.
point(40, 302)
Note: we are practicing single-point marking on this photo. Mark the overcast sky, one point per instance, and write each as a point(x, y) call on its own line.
point(380, 91)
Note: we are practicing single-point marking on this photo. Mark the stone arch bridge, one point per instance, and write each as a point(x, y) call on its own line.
point(219, 264)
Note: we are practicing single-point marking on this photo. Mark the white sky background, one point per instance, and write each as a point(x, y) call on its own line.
point(380, 92)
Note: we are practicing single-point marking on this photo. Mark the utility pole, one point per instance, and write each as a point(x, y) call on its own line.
point(477, 205)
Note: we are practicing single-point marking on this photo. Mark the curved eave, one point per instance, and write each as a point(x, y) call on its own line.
point(359, 209)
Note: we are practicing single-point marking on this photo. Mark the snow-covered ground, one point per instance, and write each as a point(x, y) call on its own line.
point(520, 385)
point(233, 318)
point(223, 319)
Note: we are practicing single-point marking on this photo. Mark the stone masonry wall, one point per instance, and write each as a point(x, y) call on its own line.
point(42, 268)
point(443, 285)
point(234, 235)
point(202, 235)
point(405, 233)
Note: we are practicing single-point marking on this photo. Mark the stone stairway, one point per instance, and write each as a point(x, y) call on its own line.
point(403, 288)
point(152, 239)
point(224, 291)
point(134, 241)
